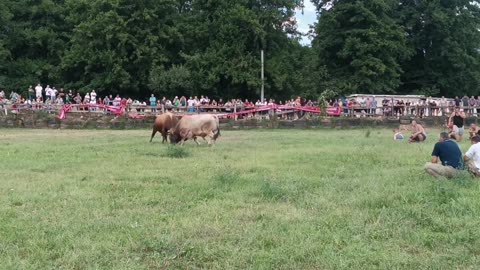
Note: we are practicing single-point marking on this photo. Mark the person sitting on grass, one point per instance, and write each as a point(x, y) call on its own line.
point(473, 130)
point(397, 135)
point(447, 151)
point(418, 133)
point(472, 156)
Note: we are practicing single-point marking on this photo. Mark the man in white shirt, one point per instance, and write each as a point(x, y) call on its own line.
point(49, 92)
point(38, 91)
point(93, 95)
point(472, 156)
point(53, 94)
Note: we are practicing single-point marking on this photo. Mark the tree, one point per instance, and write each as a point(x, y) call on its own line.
point(5, 34)
point(36, 35)
point(445, 38)
point(223, 39)
point(360, 45)
point(116, 44)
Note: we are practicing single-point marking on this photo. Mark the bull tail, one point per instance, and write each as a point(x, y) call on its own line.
point(217, 134)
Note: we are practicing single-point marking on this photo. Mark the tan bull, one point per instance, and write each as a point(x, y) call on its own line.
point(163, 123)
point(192, 126)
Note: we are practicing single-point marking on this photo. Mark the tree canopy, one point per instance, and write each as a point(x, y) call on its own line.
point(212, 47)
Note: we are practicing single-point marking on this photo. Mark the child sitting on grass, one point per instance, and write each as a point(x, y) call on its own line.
point(397, 135)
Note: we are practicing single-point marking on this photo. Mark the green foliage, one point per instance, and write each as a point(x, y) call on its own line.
point(361, 46)
point(406, 47)
point(115, 44)
point(134, 48)
point(177, 47)
point(444, 37)
point(177, 79)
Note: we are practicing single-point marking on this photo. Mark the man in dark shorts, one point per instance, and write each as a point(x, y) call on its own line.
point(457, 119)
point(418, 133)
point(450, 155)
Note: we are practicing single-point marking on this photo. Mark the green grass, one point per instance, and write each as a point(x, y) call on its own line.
point(282, 199)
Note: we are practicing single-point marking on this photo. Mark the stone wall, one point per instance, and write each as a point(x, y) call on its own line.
point(99, 121)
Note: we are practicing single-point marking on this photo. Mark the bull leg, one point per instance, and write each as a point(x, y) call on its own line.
point(195, 139)
point(211, 139)
point(153, 135)
point(164, 136)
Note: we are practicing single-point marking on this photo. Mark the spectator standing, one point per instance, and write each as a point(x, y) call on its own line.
point(458, 101)
point(93, 95)
point(443, 105)
point(86, 99)
point(69, 97)
point(153, 103)
point(163, 102)
point(117, 101)
point(368, 105)
point(31, 93)
point(373, 106)
point(472, 103)
point(124, 104)
point(38, 91)
point(106, 101)
point(190, 105)
point(176, 102)
point(129, 104)
point(448, 152)
point(77, 99)
point(203, 100)
point(183, 102)
point(93, 102)
point(168, 104)
point(465, 100)
point(48, 93)
point(54, 94)
point(196, 103)
point(62, 96)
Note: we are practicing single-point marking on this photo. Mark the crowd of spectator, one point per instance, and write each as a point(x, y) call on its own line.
point(370, 106)
point(50, 98)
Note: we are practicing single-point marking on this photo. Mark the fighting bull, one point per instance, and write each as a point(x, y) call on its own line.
point(193, 126)
point(163, 123)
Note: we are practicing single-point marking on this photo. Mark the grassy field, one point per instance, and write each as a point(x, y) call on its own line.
point(281, 199)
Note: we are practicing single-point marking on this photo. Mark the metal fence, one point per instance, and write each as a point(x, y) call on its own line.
point(288, 112)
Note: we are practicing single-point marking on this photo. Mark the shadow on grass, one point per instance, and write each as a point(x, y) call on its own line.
point(272, 191)
point(176, 152)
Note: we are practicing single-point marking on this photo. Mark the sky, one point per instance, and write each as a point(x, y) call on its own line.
point(308, 18)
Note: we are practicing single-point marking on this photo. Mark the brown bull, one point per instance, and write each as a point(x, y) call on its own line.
point(193, 126)
point(163, 123)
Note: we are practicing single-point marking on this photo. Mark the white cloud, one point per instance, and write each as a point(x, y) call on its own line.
point(306, 19)
point(309, 7)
